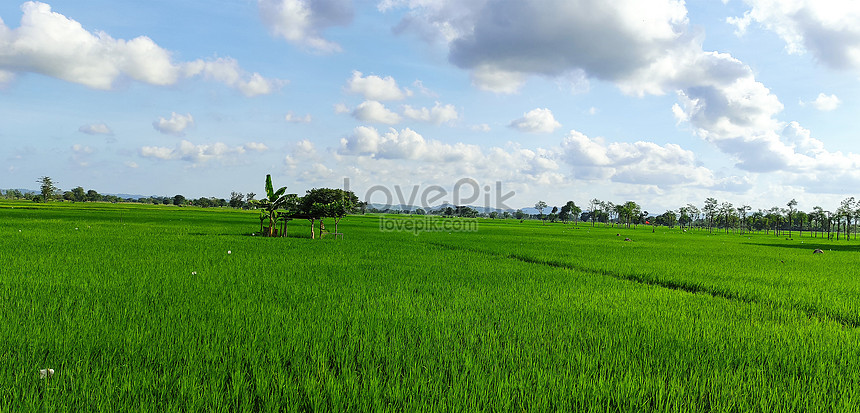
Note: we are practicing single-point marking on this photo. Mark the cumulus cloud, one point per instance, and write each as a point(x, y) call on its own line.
point(536, 121)
point(304, 148)
point(290, 117)
point(438, 114)
point(373, 111)
point(497, 40)
point(228, 72)
point(640, 163)
point(317, 173)
point(828, 30)
point(376, 88)
point(54, 45)
point(256, 146)
point(301, 22)
point(199, 154)
point(96, 129)
point(435, 158)
point(824, 103)
point(643, 47)
point(176, 125)
point(576, 158)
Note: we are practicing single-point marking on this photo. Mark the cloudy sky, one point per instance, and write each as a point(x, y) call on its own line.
point(659, 101)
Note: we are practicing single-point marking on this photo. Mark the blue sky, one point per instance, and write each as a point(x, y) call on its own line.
point(662, 102)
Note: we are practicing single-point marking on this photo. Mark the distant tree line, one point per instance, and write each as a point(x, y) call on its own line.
point(839, 223)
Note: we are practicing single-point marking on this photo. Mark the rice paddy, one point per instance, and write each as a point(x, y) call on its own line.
point(160, 308)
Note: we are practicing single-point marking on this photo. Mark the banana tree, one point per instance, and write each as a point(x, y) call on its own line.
point(273, 201)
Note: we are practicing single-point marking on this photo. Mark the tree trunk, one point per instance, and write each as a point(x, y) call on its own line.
point(313, 234)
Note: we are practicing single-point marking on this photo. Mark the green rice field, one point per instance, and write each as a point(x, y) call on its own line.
point(162, 308)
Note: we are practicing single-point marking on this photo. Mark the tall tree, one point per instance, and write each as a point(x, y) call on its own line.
point(93, 196)
point(846, 210)
point(710, 210)
point(540, 206)
point(564, 213)
point(573, 210)
point(237, 199)
point(694, 212)
point(316, 204)
point(78, 194)
point(595, 205)
point(791, 208)
point(742, 213)
point(47, 187)
point(727, 210)
point(817, 219)
point(633, 211)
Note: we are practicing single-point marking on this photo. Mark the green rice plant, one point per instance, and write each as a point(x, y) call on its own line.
point(154, 308)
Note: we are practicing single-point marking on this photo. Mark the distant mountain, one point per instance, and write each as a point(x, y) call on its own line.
point(23, 191)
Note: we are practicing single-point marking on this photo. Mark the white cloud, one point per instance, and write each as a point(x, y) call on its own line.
point(198, 154)
point(483, 127)
point(438, 115)
point(316, 173)
point(54, 45)
point(640, 163)
point(431, 158)
point(373, 111)
point(176, 125)
point(497, 40)
point(341, 108)
point(830, 30)
point(290, 117)
point(536, 121)
point(824, 103)
point(96, 129)
point(301, 22)
point(376, 88)
point(256, 146)
point(494, 79)
point(81, 154)
point(424, 90)
point(304, 148)
point(290, 161)
point(131, 164)
point(228, 72)
point(51, 44)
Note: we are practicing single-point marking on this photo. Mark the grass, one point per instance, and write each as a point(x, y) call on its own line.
point(142, 308)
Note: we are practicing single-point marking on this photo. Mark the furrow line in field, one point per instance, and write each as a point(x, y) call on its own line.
point(672, 285)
